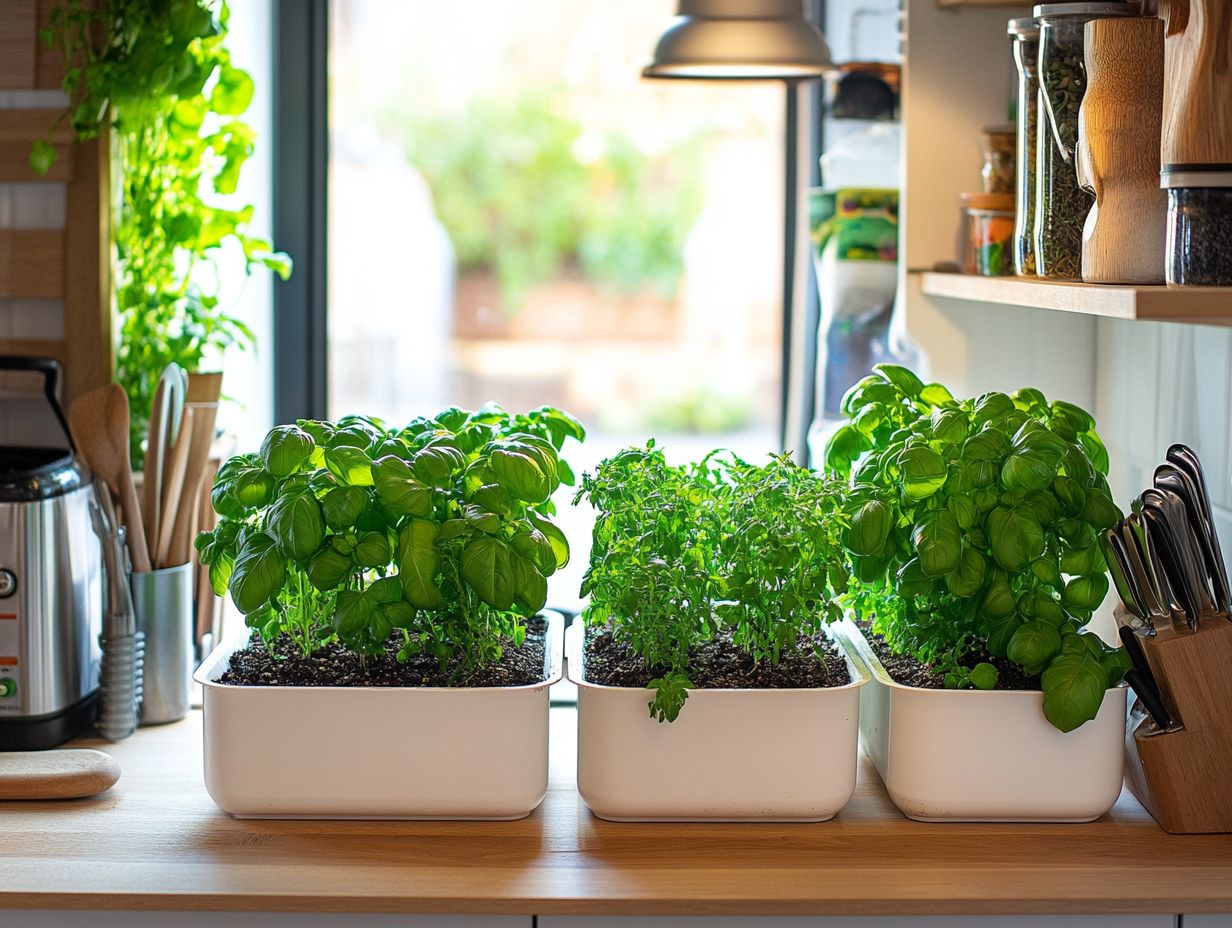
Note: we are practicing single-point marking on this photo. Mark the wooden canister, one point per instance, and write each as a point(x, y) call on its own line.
point(1125, 234)
point(1197, 123)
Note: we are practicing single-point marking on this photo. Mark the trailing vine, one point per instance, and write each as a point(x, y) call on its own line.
point(158, 74)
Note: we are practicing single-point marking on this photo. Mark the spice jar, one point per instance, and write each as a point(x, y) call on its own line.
point(1025, 35)
point(1061, 205)
point(990, 233)
point(997, 144)
point(1199, 226)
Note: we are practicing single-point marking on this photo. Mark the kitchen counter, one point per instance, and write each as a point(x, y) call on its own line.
point(157, 841)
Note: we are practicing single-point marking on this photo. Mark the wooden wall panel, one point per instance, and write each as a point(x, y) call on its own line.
point(89, 352)
point(19, 129)
point(49, 65)
point(32, 263)
point(18, 40)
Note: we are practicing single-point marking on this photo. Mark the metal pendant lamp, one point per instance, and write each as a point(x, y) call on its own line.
point(740, 40)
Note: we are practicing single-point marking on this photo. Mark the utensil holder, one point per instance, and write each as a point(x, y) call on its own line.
point(1181, 774)
point(162, 600)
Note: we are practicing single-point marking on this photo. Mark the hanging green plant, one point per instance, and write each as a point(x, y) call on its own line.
point(157, 73)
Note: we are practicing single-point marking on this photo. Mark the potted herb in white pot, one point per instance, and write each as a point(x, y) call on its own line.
point(973, 542)
point(708, 688)
point(393, 583)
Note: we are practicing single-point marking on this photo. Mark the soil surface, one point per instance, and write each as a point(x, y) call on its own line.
point(718, 664)
point(333, 665)
point(905, 669)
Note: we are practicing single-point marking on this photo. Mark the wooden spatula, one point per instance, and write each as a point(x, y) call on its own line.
point(101, 429)
point(183, 508)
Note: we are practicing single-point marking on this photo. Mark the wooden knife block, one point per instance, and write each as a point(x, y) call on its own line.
point(1184, 777)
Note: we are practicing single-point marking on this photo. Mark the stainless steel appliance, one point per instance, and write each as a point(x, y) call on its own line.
point(50, 575)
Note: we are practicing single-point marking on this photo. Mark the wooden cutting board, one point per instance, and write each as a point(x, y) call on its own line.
point(71, 774)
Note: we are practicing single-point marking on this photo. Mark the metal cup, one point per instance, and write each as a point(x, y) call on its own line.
point(162, 600)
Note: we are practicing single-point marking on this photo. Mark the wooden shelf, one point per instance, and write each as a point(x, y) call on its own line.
point(1202, 305)
point(156, 841)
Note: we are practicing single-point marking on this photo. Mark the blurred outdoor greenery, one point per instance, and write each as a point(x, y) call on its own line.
point(526, 192)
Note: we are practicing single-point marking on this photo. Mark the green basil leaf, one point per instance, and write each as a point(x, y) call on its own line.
point(903, 380)
point(487, 568)
point(1099, 511)
point(870, 528)
point(923, 473)
point(529, 585)
point(912, 581)
point(260, 572)
point(493, 498)
point(844, 446)
point(296, 524)
point(285, 449)
point(372, 550)
point(254, 487)
point(938, 543)
point(936, 395)
point(418, 563)
point(1034, 645)
point(1015, 536)
point(556, 538)
point(967, 578)
point(400, 490)
point(535, 547)
point(436, 465)
point(984, 676)
point(328, 569)
point(341, 506)
point(999, 632)
point(1073, 687)
point(520, 474)
point(1085, 594)
point(352, 612)
point(350, 464)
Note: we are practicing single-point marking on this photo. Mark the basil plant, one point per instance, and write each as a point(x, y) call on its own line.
point(974, 525)
point(439, 533)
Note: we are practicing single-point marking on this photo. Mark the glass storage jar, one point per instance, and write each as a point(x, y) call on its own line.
point(1061, 206)
point(1199, 250)
point(990, 233)
point(1025, 35)
point(997, 144)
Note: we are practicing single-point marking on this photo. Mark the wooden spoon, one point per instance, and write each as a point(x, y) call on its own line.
point(184, 512)
point(100, 425)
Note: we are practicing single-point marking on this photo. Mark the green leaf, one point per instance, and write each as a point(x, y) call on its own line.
point(493, 498)
point(967, 578)
point(1073, 687)
point(870, 528)
point(923, 473)
point(1085, 594)
point(529, 585)
point(328, 569)
point(903, 380)
point(372, 550)
point(535, 547)
point(912, 581)
point(935, 394)
point(556, 538)
point(436, 465)
point(418, 563)
point(984, 676)
point(260, 571)
point(487, 522)
point(352, 612)
point(342, 506)
point(844, 446)
point(486, 566)
point(1033, 645)
point(520, 474)
point(253, 487)
point(285, 449)
point(1099, 511)
point(400, 490)
point(992, 406)
point(350, 464)
point(999, 632)
point(938, 543)
point(296, 524)
point(1015, 537)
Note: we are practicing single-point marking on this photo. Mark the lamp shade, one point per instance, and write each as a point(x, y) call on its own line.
point(740, 40)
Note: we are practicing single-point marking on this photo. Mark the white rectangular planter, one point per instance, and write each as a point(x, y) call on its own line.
point(377, 752)
point(986, 756)
point(733, 755)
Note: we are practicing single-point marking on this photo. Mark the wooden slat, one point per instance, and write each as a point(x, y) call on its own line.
point(18, 39)
point(32, 263)
point(87, 280)
point(34, 347)
point(49, 65)
point(19, 129)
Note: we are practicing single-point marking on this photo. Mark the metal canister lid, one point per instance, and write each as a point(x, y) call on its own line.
point(1090, 10)
point(1176, 176)
point(1023, 27)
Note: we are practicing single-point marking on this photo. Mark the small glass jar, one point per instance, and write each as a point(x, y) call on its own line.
point(1061, 205)
point(1199, 251)
point(990, 234)
point(997, 144)
point(1025, 35)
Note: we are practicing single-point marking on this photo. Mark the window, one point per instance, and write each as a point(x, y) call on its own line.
point(515, 216)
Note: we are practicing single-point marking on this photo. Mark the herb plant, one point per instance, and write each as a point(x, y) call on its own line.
point(975, 523)
point(438, 533)
point(683, 553)
point(159, 76)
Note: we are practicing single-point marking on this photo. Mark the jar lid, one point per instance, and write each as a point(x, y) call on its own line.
point(1175, 176)
point(997, 202)
point(1092, 10)
point(1024, 27)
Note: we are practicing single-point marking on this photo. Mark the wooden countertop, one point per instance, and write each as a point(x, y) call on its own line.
point(156, 841)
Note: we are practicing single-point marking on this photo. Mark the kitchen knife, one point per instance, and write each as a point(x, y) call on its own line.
point(1167, 555)
point(1122, 573)
point(1171, 478)
point(1149, 698)
point(1188, 546)
point(1184, 458)
point(1152, 585)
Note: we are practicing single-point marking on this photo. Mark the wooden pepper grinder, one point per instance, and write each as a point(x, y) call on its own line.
point(1197, 123)
point(1124, 238)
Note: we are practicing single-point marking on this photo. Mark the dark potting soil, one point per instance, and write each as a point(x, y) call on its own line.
point(718, 664)
point(905, 669)
point(333, 665)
